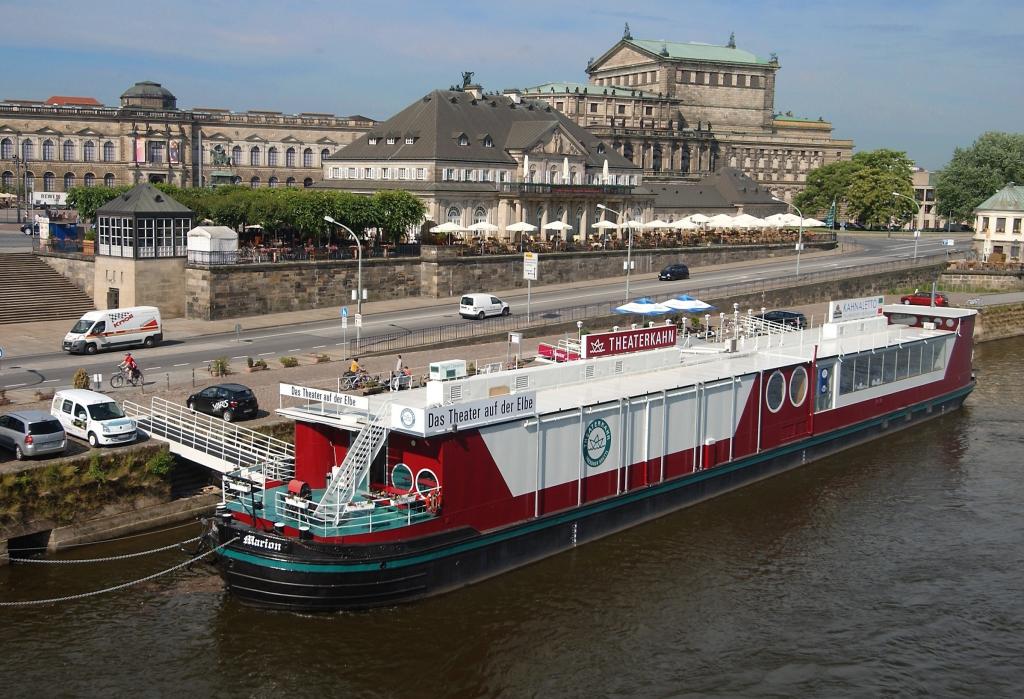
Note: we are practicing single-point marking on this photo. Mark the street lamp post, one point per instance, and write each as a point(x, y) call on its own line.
point(359, 274)
point(629, 246)
point(800, 233)
point(917, 231)
point(18, 185)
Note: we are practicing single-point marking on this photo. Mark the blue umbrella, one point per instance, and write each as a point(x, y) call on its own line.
point(645, 306)
point(688, 304)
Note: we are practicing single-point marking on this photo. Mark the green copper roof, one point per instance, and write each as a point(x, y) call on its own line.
point(1009, 198)
point(698, 52)
point(572, 88)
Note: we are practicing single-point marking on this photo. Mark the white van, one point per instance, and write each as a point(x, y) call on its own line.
point(481, 305)
point(113, 328)
point(92, 416)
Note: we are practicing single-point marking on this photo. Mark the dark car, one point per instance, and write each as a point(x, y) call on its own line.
point(924, 298)
point(674, 272)
point(849, 225)
point(793, 319)
point(31, 433)
point(227, 400)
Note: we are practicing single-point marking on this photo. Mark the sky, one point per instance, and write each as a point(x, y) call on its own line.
point(922, 76)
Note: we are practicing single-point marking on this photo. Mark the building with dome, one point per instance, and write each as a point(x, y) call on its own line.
point(65, 141)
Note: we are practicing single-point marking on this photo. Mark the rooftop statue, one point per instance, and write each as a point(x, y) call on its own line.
point(467, 78)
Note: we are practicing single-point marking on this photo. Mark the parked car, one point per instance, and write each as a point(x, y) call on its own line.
point(794, 319)
point(227, 400)
point(924, 298)
point(92, 416)
point(31, 433)
point(674, 272)
point(849, 225)
point(480, 306)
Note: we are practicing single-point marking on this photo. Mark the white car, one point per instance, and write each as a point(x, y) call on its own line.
point(480, 306)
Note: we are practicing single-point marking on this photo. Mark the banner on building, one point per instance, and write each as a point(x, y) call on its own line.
point(140, 150)
point(174, 152)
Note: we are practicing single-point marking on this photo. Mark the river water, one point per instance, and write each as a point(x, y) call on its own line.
point(892, 569)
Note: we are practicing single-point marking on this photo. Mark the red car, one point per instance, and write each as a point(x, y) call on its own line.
point(924, 298)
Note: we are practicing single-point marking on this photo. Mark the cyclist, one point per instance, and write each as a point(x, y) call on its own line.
point(353, 367)
point(129, 365)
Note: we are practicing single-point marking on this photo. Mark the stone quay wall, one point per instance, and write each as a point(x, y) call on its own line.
point(988, 280)
point(999, 322)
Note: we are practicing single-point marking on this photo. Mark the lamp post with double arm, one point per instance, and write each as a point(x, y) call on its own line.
point(917, 216)
point(359, 274)
point(800, 233)
point(629, 245)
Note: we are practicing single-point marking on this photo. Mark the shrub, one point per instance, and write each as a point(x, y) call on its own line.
point(322, 358)
point(44, 395)
point(4, 400)
point(97, 471)
point(81, 379)
point(260, 364)
point(249, 362)
point(288, 361)
point(161, 463)
point(220, 366)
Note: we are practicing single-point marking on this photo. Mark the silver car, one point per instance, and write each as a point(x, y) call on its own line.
point(31, 433)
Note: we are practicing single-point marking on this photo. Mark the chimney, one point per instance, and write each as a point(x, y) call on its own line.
point(515, 95)
point(476, 90)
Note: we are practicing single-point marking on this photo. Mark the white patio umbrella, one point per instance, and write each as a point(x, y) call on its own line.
point(776, 220)
point(520, 227)
point(449, 228)
point(483, 226)
point(791, 219)
point(699, 218)
point(685, 224)
point(748, 221)
point(604, 225)
point(720, 221)
point(656, 224)
point(559, 226)
point(687, 304)
point(645, 306)
point(813, 223)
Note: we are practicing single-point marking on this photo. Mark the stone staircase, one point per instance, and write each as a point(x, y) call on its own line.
point(30, 290)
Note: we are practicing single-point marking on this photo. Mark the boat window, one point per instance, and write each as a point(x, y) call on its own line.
point(798, 386)
point(775, 391)
point(426, 480)
point(401, 477)
point(903, 319)
point(902, 362)
point(860, 371)
point(939, 357)
point(888, 366)
point(875, 369)
point(915, 360)
point(846, 374)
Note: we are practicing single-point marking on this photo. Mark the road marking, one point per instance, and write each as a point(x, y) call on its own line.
point(15, 385)
point(51, 380)
point(319, 346)
point(264, 354)
point(241, 357)
point(297, 349)
point(151, 368)
point(185, 364)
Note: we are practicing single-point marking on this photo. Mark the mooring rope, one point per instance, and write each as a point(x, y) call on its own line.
point(122, 586)
point(107, 541)
point(58, 561)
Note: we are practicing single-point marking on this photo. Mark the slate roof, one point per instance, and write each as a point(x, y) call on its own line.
point(697, 51)
point(147, 88)
point(437, 120)
point(1009, 198)
point(726, 188)
point(143, 199)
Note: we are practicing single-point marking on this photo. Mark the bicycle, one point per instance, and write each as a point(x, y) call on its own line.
point(351, 382)
point(120, 378)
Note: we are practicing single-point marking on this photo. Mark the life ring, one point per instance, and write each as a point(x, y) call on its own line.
point(433, 501)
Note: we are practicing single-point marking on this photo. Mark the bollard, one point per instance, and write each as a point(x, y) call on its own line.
point(168, 376)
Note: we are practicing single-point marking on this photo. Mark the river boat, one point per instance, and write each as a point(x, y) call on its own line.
point(399, 496)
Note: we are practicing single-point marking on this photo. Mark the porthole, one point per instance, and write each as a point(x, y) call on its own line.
point(775, 391)
point(401, 477)
point(426, 480)
point(798, 387)
point(950, 322)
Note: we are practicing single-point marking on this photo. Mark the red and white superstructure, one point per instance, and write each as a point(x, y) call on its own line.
point(407, 494)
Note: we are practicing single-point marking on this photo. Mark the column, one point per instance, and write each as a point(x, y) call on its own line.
point(584, 230)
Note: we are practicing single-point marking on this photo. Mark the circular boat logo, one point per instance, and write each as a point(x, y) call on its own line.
point(408, 417)
point(597, 442)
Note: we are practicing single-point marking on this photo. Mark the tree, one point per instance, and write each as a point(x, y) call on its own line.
point(826, 184)
point(396, 211)
point(865, 185)
point(86, 200)
point(976, 173)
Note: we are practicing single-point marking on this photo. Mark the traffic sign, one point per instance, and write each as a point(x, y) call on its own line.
point(344, 311)
point(1, 352)
point(359, 320)
point(344, 322)
point(530, 263)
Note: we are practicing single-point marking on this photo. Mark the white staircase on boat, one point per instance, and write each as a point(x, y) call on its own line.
point(353, 469)
point(751, 325)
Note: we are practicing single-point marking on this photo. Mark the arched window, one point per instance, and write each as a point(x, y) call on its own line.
point(108, 152)
point(488, 142)
point(454, 215)
point(254, 182)
point(572, 176)
point(308, 182)
point(6, 149)
point(254, 156)
point(290, 182)
point(69, 150)
point(48, 181)
point(531, 176)
point(28, 150)
point(540, 216)
point(89, 152)
point(323, 155)
point(272, 182)
point(272, 157)
point(90, 179)
point(289, 157)
point(552, 175)
point(69, 180)
point(236, 155)
point(463, 140)
point(636, 214)
point(480, 215)
point(236, 180)
point(30, 181)
point(7, 179)
point(47, 150)
point(307, 158)
point(108, 180)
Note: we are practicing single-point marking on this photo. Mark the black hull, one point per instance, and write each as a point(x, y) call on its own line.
point(379, 575)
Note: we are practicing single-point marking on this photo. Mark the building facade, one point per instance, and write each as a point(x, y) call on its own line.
point(497, 159)
point(999, 225)
point(75, 141)
point(927, 215)
point(681, 110)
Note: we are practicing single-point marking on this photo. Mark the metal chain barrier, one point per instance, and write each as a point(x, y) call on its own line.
point(122, 586)
point(54, 561)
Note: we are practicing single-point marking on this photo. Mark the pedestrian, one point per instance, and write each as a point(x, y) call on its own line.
point(398, 366)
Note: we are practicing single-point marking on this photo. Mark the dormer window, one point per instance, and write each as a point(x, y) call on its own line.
point(488, 142)
point(600, 148)
point(391, 140)
point(409, 140)
point(373, 140)
point(463, 140)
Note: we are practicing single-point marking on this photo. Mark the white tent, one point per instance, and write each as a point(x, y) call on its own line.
point(212, 239)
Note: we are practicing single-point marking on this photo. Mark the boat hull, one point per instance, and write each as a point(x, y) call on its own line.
point(309, 577)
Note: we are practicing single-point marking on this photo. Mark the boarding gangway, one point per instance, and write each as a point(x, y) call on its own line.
point(353, 469)
point(212, 442)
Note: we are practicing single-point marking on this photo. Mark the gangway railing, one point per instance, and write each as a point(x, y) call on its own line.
point(356, 464)
point(221, 445)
